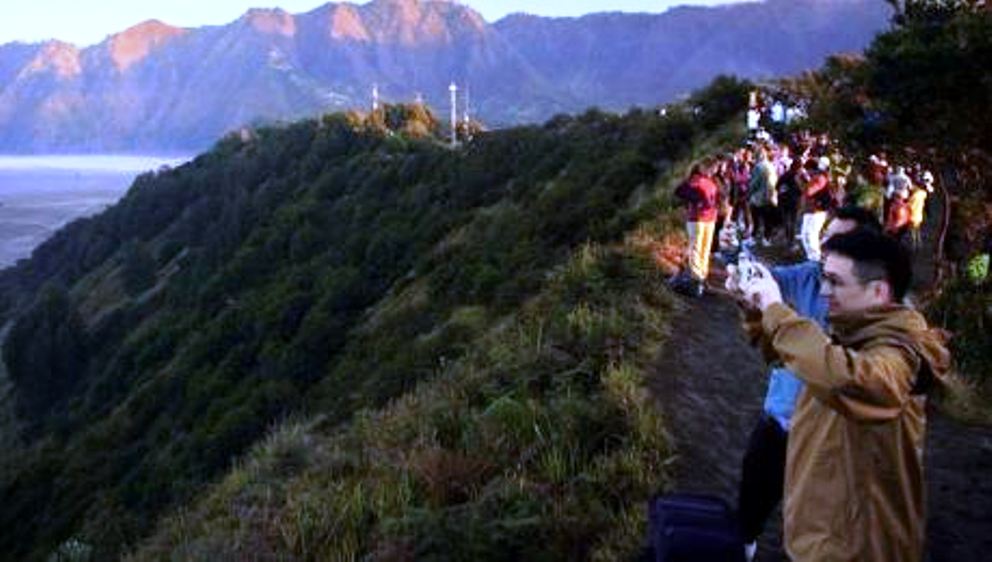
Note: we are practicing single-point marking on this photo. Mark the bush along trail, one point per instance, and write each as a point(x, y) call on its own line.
point(540, 444)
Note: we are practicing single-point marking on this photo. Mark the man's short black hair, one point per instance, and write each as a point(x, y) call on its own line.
point(862, 217)
point(876, 257)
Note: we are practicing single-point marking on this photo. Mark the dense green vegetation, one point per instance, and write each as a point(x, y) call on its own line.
point(326, 268)
point(540, 444)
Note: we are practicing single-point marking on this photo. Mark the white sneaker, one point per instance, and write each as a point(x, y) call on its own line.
point(750, 549)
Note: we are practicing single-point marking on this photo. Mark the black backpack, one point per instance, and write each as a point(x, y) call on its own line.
point(692, 528)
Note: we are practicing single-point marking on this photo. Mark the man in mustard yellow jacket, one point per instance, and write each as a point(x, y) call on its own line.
point(854, 488)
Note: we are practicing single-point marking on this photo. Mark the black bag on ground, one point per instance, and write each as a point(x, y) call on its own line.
point(693, 527)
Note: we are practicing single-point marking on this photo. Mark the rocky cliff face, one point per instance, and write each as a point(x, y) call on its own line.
point(156, 87)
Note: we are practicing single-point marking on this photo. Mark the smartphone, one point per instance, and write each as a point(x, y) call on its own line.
point(745, 269)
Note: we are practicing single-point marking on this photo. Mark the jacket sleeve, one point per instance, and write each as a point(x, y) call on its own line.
point(789, 278)
point(799, 284)
point(870, 384)
point(816, 184)
point(686, 192)
point(755, 334)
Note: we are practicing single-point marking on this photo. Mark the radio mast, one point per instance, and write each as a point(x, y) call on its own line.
point(454, 114)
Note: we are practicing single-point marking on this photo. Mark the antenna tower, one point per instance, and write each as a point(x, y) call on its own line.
point(454, 114)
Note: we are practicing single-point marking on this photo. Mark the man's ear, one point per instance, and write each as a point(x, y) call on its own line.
point(881, 292)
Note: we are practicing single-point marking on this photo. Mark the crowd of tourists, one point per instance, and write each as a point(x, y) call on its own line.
point(769, 192)
point(840, 439)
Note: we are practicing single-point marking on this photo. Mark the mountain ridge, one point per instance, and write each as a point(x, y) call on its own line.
point(135, 43)
point(163, 87)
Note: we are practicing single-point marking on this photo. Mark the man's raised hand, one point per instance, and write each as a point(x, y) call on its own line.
point(762, 291)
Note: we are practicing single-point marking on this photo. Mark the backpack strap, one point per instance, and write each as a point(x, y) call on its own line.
point(925, 378)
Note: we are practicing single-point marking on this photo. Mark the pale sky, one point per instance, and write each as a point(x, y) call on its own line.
point(85, 22)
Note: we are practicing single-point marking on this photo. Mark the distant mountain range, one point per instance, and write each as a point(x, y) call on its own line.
point(157, 87)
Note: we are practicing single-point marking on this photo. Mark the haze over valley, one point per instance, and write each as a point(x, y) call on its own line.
point(40, 194)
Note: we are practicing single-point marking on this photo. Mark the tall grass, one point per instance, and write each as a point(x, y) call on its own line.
point(541, 443)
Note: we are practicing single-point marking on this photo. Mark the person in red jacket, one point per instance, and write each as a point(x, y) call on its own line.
point(700, 194)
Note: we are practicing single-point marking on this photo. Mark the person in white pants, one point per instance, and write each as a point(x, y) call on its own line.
point(812, 227)
point(817, 200)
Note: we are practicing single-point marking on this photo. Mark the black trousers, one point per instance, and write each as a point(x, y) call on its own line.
point(762, 477)
point(766, 219)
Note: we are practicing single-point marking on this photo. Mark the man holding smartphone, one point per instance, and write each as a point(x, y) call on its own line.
point(854, 468)
point(763, 468)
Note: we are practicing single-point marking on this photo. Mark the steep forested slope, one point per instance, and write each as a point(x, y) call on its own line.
point(316, 269)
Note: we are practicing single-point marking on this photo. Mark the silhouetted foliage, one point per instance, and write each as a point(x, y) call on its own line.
point(46, 353)
point(137, 268)
point(726, 95)
point(929, 77)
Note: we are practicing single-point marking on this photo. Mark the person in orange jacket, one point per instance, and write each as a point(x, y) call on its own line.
point(917, 208)
point(898, 218)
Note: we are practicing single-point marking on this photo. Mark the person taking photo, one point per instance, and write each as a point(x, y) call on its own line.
point(854, 488)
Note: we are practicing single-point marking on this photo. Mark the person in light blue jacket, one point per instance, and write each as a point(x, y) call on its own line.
point(763, 470)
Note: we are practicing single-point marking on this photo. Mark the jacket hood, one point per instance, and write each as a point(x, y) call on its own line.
point(896, 324)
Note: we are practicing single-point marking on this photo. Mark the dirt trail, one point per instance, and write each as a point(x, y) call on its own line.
point(711, 383)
